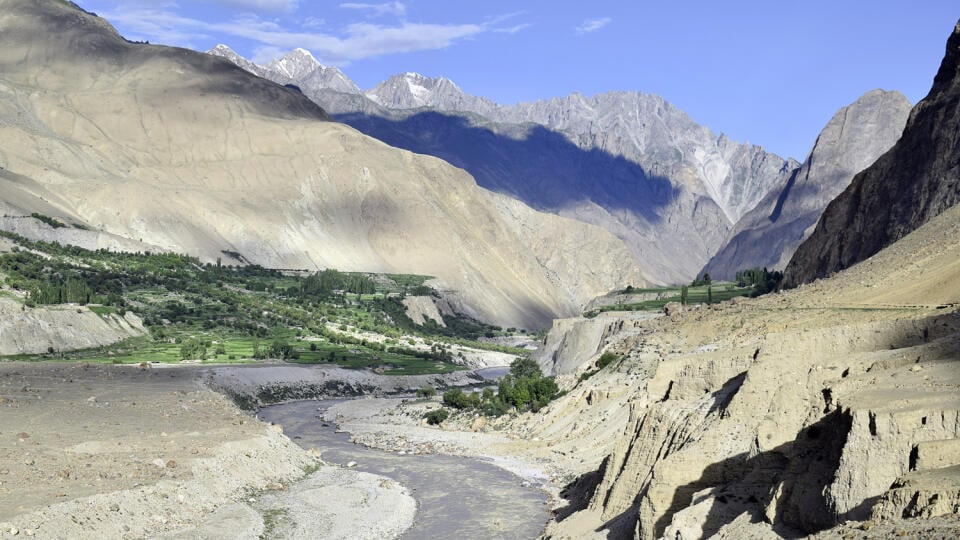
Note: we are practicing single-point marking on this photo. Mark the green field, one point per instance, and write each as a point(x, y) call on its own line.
point(210, 313)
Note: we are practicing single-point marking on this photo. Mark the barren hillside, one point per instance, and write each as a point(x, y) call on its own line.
point(787, 414)
point(187, 152)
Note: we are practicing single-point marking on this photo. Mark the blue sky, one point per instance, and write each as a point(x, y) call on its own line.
point(771, 73)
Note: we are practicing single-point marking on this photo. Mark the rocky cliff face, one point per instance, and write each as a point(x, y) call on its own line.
point(913, 182)
point(628, 162)
point(784, 415)
point(186, 152)
point(768, 235)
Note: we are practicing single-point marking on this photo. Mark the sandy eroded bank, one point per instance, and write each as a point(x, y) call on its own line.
point(95, 451)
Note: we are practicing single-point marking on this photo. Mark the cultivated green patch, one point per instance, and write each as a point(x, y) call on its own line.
point(700, 294)
point(198, 312)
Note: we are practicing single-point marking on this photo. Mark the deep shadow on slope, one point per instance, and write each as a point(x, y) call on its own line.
point(798, 471)
point(539, 166)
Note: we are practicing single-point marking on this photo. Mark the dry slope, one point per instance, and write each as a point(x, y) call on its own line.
point(787, 414)
point(187, 152)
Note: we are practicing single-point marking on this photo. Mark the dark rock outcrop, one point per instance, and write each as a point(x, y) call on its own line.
point(915, 181)
point(768, 235)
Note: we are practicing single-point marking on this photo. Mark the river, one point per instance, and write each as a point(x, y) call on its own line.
point(456, 497)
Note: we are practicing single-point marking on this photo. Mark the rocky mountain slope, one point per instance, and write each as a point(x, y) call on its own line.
point(186, 152)
point(913, 182)
point(768, 235)
point(785, 415)
point(788, 414)
point(628, 162)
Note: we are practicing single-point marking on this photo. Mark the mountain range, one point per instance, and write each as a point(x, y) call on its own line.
point(629, 162)
point(158, 148)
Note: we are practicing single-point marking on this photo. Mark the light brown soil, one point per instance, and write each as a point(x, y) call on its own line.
point(69, 431)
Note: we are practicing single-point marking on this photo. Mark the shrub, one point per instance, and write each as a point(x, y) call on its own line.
point(427, 392)
point(606, 359)
point(193, 349)
point(436, 416)
point(457, 399)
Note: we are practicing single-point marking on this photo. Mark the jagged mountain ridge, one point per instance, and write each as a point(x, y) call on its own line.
point(913, 182)
point(684, 190)
point(768, 235)
point(186, 152)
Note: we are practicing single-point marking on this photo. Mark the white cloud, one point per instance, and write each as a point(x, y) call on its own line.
point(513, 29)
point(157, 26)
point(592, 25)
point(389, 8)
point(272, 6)
point(355, 42)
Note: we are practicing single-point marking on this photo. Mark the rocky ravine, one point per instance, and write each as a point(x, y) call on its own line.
point(186, 152)
point(788, 414)
point(913, 182)
point(768, 235)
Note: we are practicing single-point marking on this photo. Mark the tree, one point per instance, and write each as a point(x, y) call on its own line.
point(709, 294)
point(457, 399)
point(524, 368)
point(193, 349)
point(436, 416)
point(683, 295)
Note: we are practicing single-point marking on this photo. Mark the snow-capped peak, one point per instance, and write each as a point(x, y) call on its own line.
point(304, 53)
point(223, 49)
point(295, 64)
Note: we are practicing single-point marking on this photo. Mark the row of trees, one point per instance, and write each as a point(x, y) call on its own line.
point(323, 284)
point(762, 280)
point(71, 291)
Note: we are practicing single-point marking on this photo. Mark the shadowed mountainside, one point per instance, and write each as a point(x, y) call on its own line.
point(625, 161)
point(768, 235)
point(912, 183)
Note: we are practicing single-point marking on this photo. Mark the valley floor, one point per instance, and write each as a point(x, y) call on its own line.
point(101, 451)
point(789, 414)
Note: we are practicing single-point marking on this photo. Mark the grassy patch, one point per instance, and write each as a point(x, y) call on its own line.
point(273, 519)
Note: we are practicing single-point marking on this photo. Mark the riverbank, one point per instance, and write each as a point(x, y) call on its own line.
point(397, 425)
point(456, 496)
point(103, 451)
